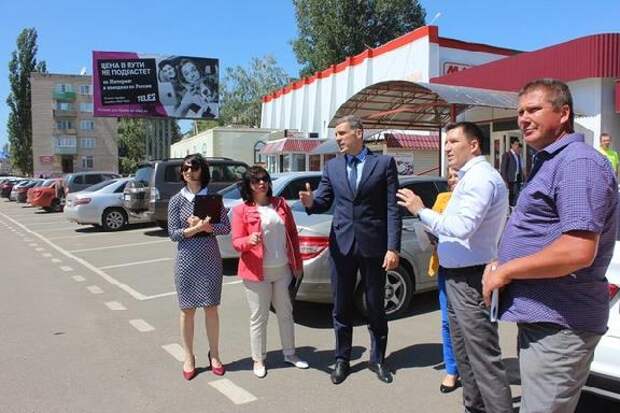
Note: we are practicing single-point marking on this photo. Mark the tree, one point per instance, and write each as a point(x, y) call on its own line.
point(19, 125)
point(243, 89)
point(332, 30)
point(131, 144)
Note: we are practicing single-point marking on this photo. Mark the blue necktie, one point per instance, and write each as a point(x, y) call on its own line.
point(353, 174)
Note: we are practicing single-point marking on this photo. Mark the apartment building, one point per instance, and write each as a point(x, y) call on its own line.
point(66, 137)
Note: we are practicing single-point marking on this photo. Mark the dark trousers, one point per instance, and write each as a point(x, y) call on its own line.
point(344, 270)
point(514, 189)
point(476, 343)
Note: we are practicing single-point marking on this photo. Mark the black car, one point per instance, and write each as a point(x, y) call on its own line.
point(155, 182)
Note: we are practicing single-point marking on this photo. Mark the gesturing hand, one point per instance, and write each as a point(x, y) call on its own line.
point(255, 238)
point(306, 197)
point(410, 200)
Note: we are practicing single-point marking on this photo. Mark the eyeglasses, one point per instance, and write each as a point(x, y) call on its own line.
point(258, 179)
point(188, 167)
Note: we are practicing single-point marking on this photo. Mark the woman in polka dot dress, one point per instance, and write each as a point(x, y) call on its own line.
point(198, 268)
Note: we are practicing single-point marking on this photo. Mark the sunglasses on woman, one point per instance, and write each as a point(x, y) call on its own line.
point(258, 179)
point(193, 167)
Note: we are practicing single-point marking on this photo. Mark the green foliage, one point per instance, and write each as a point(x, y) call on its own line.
point(332, 30)
point(203, 125)
point(243, 89)
point(19, 125)
point(131, 144)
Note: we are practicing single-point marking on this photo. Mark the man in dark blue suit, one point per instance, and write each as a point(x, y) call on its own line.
point(364, 237)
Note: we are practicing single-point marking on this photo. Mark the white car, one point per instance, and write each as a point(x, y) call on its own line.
point(100, 205)
point(604, 377)
point(286, 185)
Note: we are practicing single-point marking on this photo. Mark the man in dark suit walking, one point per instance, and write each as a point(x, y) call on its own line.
point(365, 236)
point(511, 170)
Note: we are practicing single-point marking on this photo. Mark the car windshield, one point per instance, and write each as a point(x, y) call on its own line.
point(100, 185)
point(49, 182)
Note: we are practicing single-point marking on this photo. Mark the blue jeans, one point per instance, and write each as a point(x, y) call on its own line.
point(448, 354)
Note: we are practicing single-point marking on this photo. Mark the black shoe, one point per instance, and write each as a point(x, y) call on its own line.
point(341, 371)
point(383, 372)
point(449, 389)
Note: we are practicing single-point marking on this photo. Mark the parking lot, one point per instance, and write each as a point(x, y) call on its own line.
point(93, 327)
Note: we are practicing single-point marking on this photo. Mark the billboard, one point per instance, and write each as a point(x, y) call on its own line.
point(146, 85)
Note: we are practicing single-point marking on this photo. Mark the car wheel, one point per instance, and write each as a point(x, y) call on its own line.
point(113, 219)
point(55, 206)
point(399, 289)
point(163, 224)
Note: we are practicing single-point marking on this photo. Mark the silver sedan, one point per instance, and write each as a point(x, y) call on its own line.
point(100, 205)
point(411, 277)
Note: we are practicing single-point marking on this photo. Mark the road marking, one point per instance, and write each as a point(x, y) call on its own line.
point(39, 249)
point(56, 260)
point(175, 350)
point(78, 278)
point(115, 306)
point(150, 297)
point(94, 289)
point(33, 244)
point(233, 282)
point(237, 394)
point(58, 229)
point(128, 264)
point(46, 254)
point(66, 268)
point(99, 234)
point(141, 325)
point(45, 223)
point(27, 239)
point(109, 247)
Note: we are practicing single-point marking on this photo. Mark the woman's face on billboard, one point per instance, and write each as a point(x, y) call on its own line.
point(168, 73)
point(190, 72)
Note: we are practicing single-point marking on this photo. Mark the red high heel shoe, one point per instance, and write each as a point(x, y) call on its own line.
point(218, 371)
point(190, 374)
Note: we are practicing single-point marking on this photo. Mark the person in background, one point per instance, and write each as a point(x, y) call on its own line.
point(609, 153)
point(468, 231)
point(198, 267)
point(451, 380)
point(512, 170)
point(555, 251)
point(264, 232)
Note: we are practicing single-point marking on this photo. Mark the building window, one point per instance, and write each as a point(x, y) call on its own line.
point(315, 162)
point(272, 164)
point(87, 143)
point(66, 142)
point(64, 124)
point(64, 87)
point(86, 107)
point(258, 157)
point(87, 124)
point(87, 162)
point(85, 90)
point(64, 106)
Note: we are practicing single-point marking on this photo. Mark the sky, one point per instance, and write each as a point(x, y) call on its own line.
point(237, 30)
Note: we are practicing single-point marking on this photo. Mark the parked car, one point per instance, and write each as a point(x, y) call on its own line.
point(286, 185)
point(165, 181)
point(401, 284)
point(605, 369)
point(100, 205)
point(50, 196)
point(40, 183)
point(19, 191)
point(7, 186)
point(77, 181)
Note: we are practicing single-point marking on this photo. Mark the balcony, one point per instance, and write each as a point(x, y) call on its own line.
point(64, 95)
point(67, 131)
point(65, 150)
point(64, 113)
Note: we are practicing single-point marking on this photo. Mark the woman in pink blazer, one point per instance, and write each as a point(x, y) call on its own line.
point(264, 232)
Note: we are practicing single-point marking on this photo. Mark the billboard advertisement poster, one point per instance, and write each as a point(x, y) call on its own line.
point(404, 163)
point(129, 84)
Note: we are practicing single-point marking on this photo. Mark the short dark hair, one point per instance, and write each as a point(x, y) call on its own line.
point(559, 96)
point(605, 134)
point(471, 132)
point(253, 172)
point(514, 140)
point(197, 159)
point(355, 122)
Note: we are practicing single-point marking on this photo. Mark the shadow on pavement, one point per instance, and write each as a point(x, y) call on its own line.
point(416, 355)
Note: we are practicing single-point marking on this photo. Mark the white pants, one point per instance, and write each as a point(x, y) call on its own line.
point(272, 290)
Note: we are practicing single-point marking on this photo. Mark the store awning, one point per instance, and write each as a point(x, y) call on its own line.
point(409, 105)
point(413, 142)
point(290, 145)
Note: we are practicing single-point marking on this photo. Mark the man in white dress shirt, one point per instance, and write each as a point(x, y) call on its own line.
point(468, 233)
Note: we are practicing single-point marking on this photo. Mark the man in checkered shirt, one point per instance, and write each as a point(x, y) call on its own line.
point(555, 251)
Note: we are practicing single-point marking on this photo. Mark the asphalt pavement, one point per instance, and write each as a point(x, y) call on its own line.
point(90, 324)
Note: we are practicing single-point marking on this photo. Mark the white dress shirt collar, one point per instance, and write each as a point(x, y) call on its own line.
point(189, 195)
point(470, 164)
